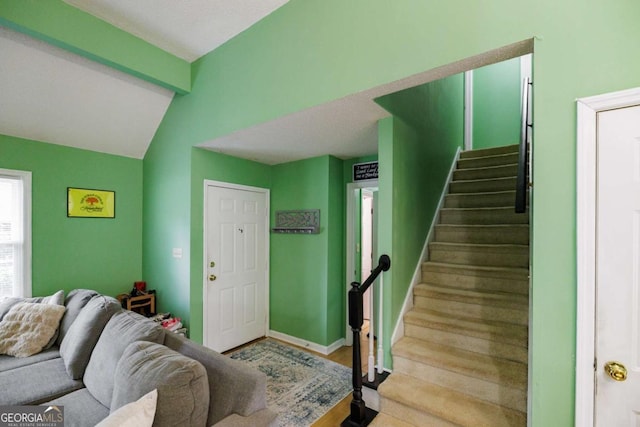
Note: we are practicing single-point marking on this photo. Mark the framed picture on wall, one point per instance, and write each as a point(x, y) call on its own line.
point(88, 203)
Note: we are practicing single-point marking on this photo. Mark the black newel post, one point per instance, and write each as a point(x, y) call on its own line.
point(360, 415)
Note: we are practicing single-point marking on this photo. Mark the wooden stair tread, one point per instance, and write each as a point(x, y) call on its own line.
point(476, 365)
point(448, 404)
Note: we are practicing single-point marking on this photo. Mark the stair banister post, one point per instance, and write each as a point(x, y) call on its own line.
point(380, 307)
point(356, 318)
point(371, 371)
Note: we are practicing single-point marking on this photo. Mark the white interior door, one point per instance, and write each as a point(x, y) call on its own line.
point(618, 268)
point(235, 297)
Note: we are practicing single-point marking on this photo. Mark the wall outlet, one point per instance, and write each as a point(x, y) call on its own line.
point(177, 252)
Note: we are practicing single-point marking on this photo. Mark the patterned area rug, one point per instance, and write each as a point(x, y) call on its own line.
point(301, 387)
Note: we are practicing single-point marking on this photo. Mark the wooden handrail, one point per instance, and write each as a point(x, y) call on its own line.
point(522, 181)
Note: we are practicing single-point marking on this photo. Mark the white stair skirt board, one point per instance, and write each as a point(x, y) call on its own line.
point(318, 348)
point(398, 331)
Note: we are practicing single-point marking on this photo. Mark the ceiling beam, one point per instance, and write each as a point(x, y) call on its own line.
point(70, 28)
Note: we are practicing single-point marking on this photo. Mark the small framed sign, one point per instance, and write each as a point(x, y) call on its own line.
point(364, 171)
point(87, 203)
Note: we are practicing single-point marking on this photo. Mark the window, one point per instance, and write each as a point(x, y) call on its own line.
point(15, 233)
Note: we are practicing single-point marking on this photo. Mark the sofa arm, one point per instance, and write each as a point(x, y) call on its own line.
point(234, 388)
point(263, 418)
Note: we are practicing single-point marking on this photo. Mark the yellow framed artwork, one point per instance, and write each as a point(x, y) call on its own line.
point(87, 203)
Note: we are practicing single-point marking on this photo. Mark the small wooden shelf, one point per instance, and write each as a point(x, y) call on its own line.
point(143, 304)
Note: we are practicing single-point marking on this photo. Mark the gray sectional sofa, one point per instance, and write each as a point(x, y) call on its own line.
point(105, 357)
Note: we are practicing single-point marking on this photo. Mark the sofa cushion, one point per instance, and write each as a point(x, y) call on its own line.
point(122, 329)
point(82, 336)
point(36, 383)
point(248, 385)
point(75, 302)
point(182, 383)
point(10, 362)
point(81, 409)
point(135, 414)
point(28, 327)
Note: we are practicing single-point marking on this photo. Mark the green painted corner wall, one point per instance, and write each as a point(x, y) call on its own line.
point(207, 165)
point(423, 153)
point(70, 253)
point(306, 298)
point(496, 104)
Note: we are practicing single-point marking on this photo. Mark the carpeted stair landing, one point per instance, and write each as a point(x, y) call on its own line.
point(463, 359)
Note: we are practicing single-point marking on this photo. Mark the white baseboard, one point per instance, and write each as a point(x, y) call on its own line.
point(398, 331)
point(322, 349)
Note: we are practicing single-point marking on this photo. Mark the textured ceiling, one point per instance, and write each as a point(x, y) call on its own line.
point(186, 28)
point(51, 95)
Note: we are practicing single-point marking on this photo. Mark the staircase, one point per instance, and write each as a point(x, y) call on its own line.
point(463, 359)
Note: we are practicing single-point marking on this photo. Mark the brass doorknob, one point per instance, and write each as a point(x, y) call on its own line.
point(212, 277)
point(616, 370)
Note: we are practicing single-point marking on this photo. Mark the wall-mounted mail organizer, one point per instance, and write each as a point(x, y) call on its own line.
point(305, 221)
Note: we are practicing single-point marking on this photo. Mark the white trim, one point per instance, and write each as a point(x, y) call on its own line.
point(586, 180)
point(398, 331)
point(318, 348)
point(228, 185)
point(25, 178)
point(468, 110)
point(350, 242)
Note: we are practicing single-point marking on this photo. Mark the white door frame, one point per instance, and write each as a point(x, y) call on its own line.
point(586, 169)
point(369, 183)
point(205, 273)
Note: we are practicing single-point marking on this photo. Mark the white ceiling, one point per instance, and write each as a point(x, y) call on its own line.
point(52, 95)
point(186, 28)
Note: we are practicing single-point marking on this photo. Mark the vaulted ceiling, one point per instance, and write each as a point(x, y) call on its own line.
point(52, 95)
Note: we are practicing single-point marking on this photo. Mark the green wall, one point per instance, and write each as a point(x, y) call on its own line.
point(69, 253)
point(216, 167)
point(307, 276)
point(496, 104)
point(423, 137)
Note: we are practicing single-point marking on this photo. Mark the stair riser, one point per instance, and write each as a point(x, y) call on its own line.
point(476, 282)
point(455, 308)
point(483, 162)
point(486, 258)
point(486, 173)
point(494, 151)
point(489, 347)
point(480, 200)
point(511, 398)
point(483, 216)
point(493, 235)
point(412, 415)
point(483, 186)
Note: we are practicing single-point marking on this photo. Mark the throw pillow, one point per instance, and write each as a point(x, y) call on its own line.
point(135, 414)
point(28, 327)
